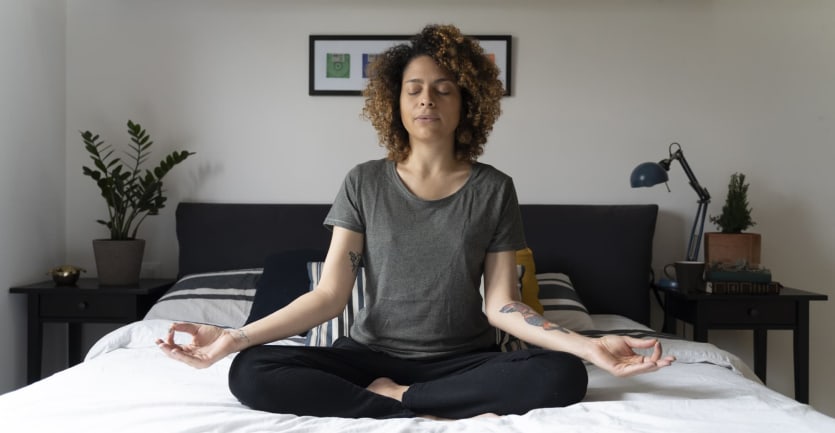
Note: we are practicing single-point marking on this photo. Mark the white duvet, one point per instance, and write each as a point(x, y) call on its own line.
point(127, 385)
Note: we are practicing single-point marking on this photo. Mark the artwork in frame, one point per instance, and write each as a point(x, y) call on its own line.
point(338, 64)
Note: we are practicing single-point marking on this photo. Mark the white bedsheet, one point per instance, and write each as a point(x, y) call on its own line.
point(127, 385)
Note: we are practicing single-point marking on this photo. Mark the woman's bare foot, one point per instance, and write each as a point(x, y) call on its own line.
point(387, 388)
point(391, 389)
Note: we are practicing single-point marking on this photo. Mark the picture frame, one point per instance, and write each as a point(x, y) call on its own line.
point(338, 62)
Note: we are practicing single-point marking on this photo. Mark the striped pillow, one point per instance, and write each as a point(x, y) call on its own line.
point(218, 298)
point(340, 326)
point(561, 302)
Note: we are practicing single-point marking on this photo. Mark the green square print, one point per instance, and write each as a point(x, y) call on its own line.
point(339, 66)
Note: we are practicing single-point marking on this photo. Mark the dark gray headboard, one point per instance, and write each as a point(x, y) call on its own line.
point(605, 249)
point(223, 236)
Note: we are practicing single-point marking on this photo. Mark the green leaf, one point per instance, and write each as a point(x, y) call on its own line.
point(130, 191)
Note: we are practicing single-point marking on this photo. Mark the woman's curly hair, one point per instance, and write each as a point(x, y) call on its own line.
point(474, 73)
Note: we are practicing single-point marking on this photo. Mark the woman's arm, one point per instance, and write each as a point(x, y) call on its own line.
point(210, 343)
point(505, 310)
point(324, 303)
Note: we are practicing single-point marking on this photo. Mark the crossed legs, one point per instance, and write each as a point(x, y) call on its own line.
point(351, 380)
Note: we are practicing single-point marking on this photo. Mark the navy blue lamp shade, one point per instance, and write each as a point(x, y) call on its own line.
point(648, 174)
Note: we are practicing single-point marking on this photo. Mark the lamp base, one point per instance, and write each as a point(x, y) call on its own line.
point(667, 283)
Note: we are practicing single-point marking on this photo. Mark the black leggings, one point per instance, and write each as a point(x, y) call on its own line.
point(331, 381)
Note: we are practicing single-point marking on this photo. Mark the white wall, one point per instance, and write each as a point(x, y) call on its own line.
point(744, 85)
point(32, 166)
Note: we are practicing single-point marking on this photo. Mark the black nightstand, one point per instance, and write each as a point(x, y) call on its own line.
point(87, 302)
point(788, 310)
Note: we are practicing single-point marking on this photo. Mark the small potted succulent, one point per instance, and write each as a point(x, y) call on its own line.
point(131, 194)
point(731, 244)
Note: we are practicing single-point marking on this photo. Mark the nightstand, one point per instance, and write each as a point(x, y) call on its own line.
point(86, 302)
point(788, 310)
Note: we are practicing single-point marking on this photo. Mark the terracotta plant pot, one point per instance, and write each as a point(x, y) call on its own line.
point(118, 262)
point(733, 247)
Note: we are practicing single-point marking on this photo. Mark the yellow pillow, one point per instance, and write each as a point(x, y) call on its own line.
point(530, 287)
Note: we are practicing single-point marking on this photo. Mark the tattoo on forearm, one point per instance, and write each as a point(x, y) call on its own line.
point(356, 260)
point(532, 317)
point(240, 335)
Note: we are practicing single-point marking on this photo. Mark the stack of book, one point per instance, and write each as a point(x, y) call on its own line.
point(736, 280)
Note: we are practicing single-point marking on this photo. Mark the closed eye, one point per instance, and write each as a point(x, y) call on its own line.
point(445, 88)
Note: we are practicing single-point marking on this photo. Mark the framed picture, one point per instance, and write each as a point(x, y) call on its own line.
point(338, 64)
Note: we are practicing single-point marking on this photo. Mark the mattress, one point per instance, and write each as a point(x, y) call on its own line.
point(126, 384)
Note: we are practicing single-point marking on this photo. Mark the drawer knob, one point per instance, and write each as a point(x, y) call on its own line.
point(82, 305)
point(753, 312)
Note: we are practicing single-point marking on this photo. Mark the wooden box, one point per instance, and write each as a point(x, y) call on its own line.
point(733, 247)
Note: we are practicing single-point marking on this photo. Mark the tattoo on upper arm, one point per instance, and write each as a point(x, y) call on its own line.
point(356, 261)
point(532, 317)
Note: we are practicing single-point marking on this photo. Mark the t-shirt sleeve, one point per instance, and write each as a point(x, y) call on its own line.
point(346, 209)
point(509, 234)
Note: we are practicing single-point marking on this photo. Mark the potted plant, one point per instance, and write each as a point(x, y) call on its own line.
point(131, 194)
point(730, 244)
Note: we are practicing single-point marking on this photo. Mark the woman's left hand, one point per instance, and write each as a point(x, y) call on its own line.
point(615, 354)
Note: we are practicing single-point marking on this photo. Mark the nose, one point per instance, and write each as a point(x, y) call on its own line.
point(426, 99)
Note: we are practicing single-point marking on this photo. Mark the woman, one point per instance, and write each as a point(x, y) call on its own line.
point(425, 223)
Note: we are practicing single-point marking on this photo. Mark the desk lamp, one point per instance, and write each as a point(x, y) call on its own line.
point(651, 173)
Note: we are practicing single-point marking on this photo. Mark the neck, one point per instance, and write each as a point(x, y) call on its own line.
point(433, 178)
point(431, 159)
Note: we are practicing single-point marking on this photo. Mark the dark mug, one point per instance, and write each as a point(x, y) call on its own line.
point(688, 275)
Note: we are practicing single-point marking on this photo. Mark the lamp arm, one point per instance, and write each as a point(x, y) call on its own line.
point(697, 231)
point(704, 196)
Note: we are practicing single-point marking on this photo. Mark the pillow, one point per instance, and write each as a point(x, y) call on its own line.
point(527, 275)
point(561, 302)
point(509, 343)
point(217, 298)
point(340, 326)
point(284, 279)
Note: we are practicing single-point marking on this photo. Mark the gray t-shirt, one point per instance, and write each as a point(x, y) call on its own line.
point(424, 259)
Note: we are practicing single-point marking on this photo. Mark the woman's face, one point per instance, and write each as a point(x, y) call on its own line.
point(430, 102)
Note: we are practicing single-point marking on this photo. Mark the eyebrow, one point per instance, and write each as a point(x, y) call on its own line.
point(421, 81)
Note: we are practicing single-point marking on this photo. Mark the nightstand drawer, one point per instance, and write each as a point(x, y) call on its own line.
point(753, 312)
point(93, 306)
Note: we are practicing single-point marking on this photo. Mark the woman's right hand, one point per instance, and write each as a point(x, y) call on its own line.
point(208, 344)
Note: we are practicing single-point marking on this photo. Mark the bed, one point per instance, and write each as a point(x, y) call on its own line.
point(598, 255)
